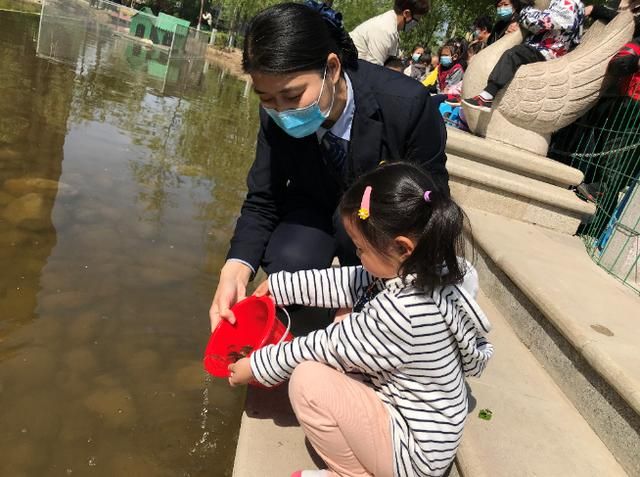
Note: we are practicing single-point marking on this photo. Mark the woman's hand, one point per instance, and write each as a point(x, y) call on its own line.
point(513, 27)
point(263, 289)
point(232, 287)
point(588, 9)
point(240, 372)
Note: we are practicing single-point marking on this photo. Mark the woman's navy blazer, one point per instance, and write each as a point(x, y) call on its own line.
point(394, 120)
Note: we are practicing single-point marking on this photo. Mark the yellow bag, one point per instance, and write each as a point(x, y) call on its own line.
point(431, 78)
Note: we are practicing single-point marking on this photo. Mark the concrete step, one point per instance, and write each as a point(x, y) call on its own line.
point(535, 430)
point(580, 323)
point(271, 442)
point(485, 187)
point(509, 158)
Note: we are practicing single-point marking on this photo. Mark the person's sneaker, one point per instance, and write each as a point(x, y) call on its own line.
point(589, 192)
point(478, 102)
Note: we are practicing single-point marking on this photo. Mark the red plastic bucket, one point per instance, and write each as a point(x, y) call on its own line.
point(256, 326)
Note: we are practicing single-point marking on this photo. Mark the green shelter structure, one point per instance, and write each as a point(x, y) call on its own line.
point(160, 29)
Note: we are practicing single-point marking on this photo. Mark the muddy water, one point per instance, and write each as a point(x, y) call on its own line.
point(118, 194)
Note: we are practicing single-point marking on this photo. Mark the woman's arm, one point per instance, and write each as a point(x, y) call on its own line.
point(259, 217)
point(330, 288)
point(260, 213)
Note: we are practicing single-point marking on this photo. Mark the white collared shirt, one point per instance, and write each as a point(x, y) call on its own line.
point(342, 127)
point(377, 39)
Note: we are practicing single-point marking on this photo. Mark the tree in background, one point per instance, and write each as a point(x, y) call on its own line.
point(447, 17)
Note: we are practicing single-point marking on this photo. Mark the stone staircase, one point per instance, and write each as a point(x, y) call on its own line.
point(564, 384)
point(502, 179)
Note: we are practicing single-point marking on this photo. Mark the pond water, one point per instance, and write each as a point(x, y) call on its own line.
point(119, 190)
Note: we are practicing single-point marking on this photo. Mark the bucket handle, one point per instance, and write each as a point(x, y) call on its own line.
point(286, 332)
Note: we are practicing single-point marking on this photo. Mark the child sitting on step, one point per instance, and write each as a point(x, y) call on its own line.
point(554, 32)
point(413, 335)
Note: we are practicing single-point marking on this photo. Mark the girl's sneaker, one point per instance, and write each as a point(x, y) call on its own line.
point(479, 103)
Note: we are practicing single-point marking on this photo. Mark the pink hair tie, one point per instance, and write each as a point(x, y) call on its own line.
point(427, 196)
point(365, 204)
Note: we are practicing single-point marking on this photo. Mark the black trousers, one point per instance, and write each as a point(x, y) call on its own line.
point(306, 239)
point(508, 64)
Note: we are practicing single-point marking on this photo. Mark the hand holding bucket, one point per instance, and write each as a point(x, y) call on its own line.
point(256, 326)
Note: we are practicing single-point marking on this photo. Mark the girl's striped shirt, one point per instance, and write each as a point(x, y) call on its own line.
point(416, 346)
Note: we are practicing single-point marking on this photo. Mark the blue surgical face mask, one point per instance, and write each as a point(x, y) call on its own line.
point(504, 12)
point(305, 121)
point(446, 61)
point(416, 57)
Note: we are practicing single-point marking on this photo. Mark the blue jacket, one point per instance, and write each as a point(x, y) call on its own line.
point(394, 120)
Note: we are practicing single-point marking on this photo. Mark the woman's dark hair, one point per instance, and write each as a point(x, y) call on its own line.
point(398, 208)
point(292, 37)
point(483, 23)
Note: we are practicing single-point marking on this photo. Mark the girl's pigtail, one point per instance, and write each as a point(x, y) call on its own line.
point(438, 258)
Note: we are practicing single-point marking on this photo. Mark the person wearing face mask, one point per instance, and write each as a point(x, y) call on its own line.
point(482, 28)
point(378, 38)
point(326, 118)
point(451, 71)
point(506, 19)
point(554, 31)
point(417, 68)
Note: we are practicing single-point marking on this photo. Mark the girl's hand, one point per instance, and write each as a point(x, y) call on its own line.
point(240, 372)
point(263, 289)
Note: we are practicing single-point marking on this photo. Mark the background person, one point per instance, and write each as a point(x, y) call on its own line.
point(378, 38)
point(506, 18)
point(482, 29)
point(451, 71)
point(418, 65)
point(554, 32)
point(394, 63)
point(325, 119)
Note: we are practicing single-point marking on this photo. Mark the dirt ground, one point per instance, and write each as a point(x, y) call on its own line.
point(228, 58)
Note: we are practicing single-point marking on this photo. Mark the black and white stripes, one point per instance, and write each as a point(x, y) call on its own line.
point(415, 346)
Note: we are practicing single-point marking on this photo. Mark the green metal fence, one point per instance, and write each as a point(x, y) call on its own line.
point(605, 145)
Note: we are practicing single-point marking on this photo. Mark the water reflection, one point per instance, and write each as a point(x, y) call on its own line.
point(117, 200)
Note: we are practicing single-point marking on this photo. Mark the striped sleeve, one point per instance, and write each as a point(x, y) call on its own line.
point(377, 339)
point(469, 326)
point(329, 288)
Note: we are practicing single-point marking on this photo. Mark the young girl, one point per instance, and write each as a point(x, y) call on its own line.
point(451, 71)
point(413, 334)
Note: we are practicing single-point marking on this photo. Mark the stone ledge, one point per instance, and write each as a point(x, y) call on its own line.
point(484, 187)
point(527, 435)
point(573, 292)
point(506, 157)
point(271, 442)
point(579, 322)
point(531, 189)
